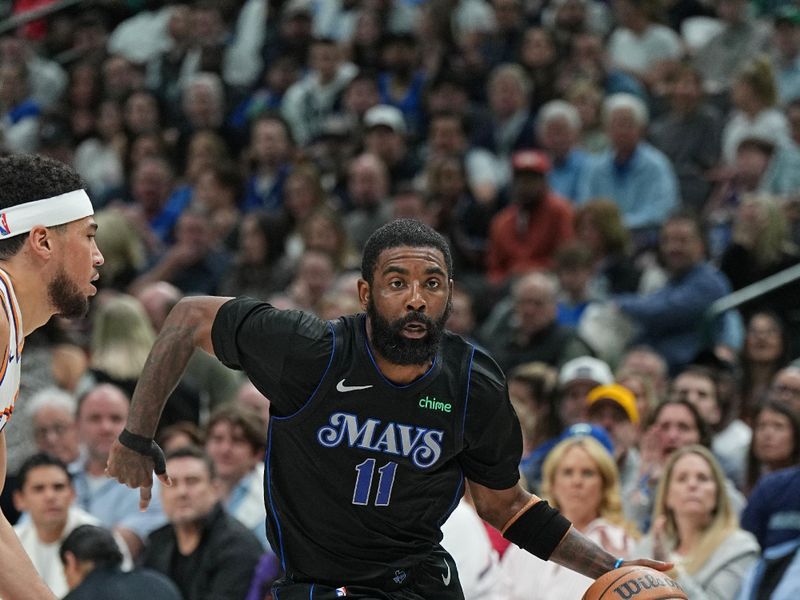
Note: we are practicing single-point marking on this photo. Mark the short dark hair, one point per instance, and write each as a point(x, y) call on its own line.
point(92, 543)
point(193, 452)
point(40, 459)
point(703, 428)
point(247, 419)
point(28, 177)
point(754, 471)
point(402, 232)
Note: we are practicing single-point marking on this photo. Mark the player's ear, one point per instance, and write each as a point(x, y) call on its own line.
point(40, 241)
point(363, 293)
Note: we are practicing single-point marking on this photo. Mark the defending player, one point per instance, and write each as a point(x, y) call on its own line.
point(48, 259)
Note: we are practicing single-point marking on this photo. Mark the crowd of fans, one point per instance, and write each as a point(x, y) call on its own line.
point(603, 171)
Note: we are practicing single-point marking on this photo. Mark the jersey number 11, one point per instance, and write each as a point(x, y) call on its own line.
point(364, 483)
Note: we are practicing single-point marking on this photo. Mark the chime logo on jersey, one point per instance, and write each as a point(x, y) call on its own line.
point(422, 445)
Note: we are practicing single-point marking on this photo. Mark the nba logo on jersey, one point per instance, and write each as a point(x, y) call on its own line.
point(4, 228)
point(341, 592)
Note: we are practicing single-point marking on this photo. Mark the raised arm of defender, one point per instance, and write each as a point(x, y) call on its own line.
point(511, 512)
point(187, 327)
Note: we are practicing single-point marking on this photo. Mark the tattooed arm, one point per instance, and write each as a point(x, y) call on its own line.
point(187, 327)
point(502, 508)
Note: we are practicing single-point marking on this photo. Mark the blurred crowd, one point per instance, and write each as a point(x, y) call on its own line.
point(604, 171)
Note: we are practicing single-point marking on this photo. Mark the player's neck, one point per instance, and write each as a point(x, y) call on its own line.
point(27, 282)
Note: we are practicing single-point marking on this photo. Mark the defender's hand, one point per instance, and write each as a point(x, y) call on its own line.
point(134, 470)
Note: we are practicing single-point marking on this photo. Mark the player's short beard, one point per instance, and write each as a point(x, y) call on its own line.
point(389, 342)
point(65, 296)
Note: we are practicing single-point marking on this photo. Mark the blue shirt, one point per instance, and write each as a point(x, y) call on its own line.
point(644, 187)
point(772, 513)
point(566, 175)
point(671, 319)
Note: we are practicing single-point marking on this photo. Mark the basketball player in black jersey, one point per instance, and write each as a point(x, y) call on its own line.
point(378, 421)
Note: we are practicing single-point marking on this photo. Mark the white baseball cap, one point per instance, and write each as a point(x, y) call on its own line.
point(385, 115)
point(585, 368)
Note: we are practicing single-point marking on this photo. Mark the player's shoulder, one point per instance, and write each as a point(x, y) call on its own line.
point(483, 368)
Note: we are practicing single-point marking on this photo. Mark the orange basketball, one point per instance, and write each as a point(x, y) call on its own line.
point(635, 583)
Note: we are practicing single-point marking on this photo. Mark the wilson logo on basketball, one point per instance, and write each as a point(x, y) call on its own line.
point(632, 587)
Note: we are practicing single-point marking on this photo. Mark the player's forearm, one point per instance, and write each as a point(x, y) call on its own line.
point(164, 367)
point(18, 577)
point(579, 553)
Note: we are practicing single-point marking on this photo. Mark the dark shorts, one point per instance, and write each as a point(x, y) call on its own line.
point(435, 578)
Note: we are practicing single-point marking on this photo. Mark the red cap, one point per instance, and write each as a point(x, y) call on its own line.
point(530, 160)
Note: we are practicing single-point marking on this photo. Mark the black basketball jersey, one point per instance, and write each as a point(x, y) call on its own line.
point(361, 473)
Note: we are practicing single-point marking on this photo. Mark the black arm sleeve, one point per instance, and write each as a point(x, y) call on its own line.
point(492, 436)
point(283, 352)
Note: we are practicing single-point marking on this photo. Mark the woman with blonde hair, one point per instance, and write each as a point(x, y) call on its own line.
point(122, 337)
point(755, 94)
point(761, 247)
point(581, 480)
point(695, 527)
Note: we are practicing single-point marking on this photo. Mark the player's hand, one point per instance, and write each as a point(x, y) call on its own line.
point(134, 470)
point(658, 565)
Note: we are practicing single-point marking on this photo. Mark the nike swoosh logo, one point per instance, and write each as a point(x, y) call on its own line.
point(446, 578)
point(341, 387)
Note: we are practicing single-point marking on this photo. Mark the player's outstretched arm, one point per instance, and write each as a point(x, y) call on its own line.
point(18, 577)
point(532, 525)
point(187, 327)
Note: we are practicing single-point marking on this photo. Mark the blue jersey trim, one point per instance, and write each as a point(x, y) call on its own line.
point(382, 376)
point(454, 503)
point(321, 379)
point(311, 592)
point(466, 396)
point(268, 474)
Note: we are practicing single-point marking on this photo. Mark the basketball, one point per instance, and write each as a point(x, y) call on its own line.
point(635, 583)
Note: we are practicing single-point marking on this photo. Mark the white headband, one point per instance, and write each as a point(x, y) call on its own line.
point(57, 210)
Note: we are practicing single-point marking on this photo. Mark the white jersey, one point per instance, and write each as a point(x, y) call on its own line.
point(10, 365)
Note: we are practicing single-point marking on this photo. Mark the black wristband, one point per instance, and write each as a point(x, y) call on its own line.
point(146, 447)
point(538, 530)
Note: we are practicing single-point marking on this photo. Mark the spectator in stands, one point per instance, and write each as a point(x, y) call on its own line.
point(755, 96)
point(776, 441)
point(19, 113)
point(598, 225)
point(92, 569)
point(670, 318)
point(368, 192)
point(539, 57)
point(526, 234)
point(581, 480)
point(204, 551)
point(730, 442)
point(613, 407)
point(766, 351)
point(638, 177)
point(385, 137)
point(217, 193)
point(249, 397)
point(102, 413)
point(760, 247)
point(532, 388)
point(270, 150)
point(573, 267)
point(529, 331)
point(401, 80)
point(235, 443)
point(558, 126)
point(693, 520)
point(55, 431)
point(785, 387)
point(639, 44)
point(689, 135)
point(511, 127)
point(739, 40)
point(47, 496)
point(646, 361)
point(786, 53)
point(324, 232)
point(308, 102)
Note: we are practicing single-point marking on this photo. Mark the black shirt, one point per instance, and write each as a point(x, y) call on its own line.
point(361, 473)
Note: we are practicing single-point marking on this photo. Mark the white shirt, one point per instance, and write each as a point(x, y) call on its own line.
point(10, 365)
point(637, 53)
